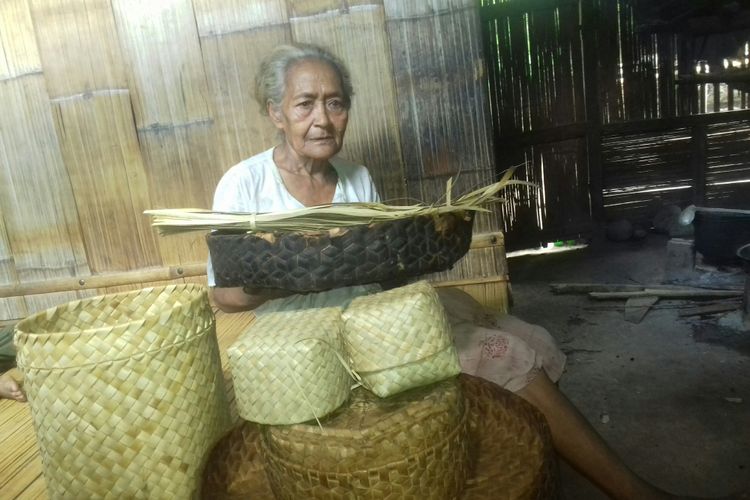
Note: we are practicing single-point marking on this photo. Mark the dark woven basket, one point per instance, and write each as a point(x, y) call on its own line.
point(356, 255)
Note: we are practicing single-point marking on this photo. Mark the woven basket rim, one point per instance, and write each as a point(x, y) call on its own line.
point(466, 215)
point(42, 369)
point(460, 427)
point(324, 431)
point(80, 303)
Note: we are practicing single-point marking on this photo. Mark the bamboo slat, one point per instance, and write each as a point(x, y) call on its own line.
point(221, 17)
point(18, 50)
point(11, 307)
point(78, 45)
point(358, 37)
point(231, 63)
point(442, 101)
point(36, 198)
point(100, 149)
point(397, 9)
point(162, 50)
point(492, 292)
point(182, 169)
point(303, 8)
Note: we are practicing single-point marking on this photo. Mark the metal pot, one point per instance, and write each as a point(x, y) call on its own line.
point(744, 253)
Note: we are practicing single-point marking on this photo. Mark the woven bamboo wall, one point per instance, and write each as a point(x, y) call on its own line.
point(110, 107)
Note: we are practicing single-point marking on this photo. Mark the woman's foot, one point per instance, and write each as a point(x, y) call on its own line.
point(10, 388)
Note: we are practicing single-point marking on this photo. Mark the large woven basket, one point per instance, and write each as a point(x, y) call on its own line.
point(511, 454)
point(305, 262)
point(126, 392)
point(400, 339)
point(414, 445)
point(235, 469)
point(288, 367)
point(512, 450)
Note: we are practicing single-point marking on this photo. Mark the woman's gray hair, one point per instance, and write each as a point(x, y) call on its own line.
point(270, 82)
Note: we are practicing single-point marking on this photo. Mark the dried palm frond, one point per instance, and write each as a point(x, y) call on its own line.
point(324, 217)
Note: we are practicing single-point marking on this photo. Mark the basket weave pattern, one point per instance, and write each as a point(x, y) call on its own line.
point(510, 452)
point(413, 445)
point(235, 468)
point(126, 392)
point(400, 339)
point(286, 368)
point(512, 449)
point(305, 262)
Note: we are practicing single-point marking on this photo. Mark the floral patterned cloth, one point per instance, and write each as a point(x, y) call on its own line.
point(499, 347)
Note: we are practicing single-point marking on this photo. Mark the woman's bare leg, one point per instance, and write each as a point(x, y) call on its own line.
point(578, 443)
point(10, 388)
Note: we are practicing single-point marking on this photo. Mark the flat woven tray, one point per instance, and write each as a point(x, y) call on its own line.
point(355, 255)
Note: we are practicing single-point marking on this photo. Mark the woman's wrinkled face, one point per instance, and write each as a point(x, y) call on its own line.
point(314, 111)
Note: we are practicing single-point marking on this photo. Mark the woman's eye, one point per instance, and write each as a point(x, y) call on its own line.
point(305, 104)
point(336, 105)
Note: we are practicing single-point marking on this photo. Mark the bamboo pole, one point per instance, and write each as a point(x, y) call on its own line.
point(103, 280)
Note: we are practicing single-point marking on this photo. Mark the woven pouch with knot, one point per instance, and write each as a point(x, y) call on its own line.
point(289, 368)
point(400, 339)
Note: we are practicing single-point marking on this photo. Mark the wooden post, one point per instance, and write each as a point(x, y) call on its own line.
point(746, 301)
point(717, 97)
point(665, 44)
point(589, 23)
point(698, 161)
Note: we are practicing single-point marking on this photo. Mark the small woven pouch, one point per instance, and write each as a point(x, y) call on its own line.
point(400, 339)
point(126, 392)
point(412, 445)
point(288, 367)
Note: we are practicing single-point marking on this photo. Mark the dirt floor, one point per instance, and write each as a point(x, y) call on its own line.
point(671, 395)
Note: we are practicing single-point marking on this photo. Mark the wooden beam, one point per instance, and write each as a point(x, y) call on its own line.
point(661, 124)
point(543, 136)
point(740, 75)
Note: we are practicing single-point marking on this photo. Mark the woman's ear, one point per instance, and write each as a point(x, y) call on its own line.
point(274, 112)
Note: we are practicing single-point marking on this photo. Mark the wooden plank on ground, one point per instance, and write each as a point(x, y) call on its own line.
point(572, 288)
point(100, 149)
point(161, 46)
point(636, 308)
point(232, 62)
point(667, 294)
point(78, 45)
point(18, 50)
point(710, 309)
point(36, 198)
point(358, 36)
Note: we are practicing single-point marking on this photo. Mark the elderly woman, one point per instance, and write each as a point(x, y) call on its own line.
point(307, 93)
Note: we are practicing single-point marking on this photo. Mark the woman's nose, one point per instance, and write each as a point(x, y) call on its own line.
point(321, 114)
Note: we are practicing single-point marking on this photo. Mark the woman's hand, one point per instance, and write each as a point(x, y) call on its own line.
point(237, 299)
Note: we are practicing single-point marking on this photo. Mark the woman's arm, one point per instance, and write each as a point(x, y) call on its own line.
point(236, 299)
